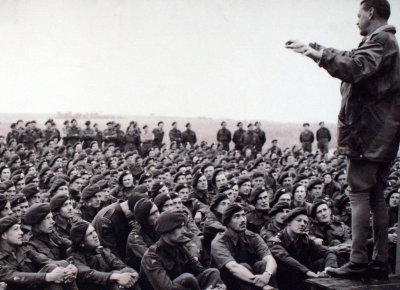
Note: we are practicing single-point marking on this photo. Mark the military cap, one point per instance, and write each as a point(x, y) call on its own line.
point(217, 199)
point(315, 206)
point(314, 183)
point(257, 174)
point(243, 179)
point(57, 184)
point(17, 199)
point(3, 167)
point(256, 123)
point(180, 186)
point(279, 207)
point(300, 177)
point(3, 202)
point(230, 211)
point(222, 123)
point(144, 177)
point(169, 221)
point(110, 123)
point(173, 123)
point(238, 124)
point(123, 174)
point(27, 123)
point(160, 122)
point(142, 210)
point(140, 189)
point(13, 125)
point(80, 157)
point(16, 178)
point(281, 177)
point(320, 123)
point(36, 213)
point(6, 185)
point(6, 223)
point(134, 198)
point(73, 120)
point(87, 123)
point(74, 178)
point(29, 177)
point(306, 124)
point(160, 199)
point(78, 232)
point(255, 192)
point(156, 187)
point(103, 184)
point(90, 191)
point(187, 125)
point(294, 213)
point(57, 201)
point(66, 122)
point(224, 188)
point(274, 140)
point(49, 121)
point(178, 175)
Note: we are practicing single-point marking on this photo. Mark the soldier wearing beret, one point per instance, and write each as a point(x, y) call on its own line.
point(189, 136)
point(238, 137)
point(323, 138)
point(20, 267)
point(158, 134)
point(244, 260)
point(74, 133)
point(259, 215)
point(88, 135)
point(109, 134)
point(147, 138)
point(175, 134)
point(250, 139)
point(98, 267)
point(298, 256)
point(168, 264)
point(274, 149)
point(32, 194)
point(62, 208)
point(8, 189)
point(306, 138)
point(28, 136)
point(139, 240)
point(278, 213)
point(224, 136)
point(5, 207)
point(90, 202)
point(261, 139)
point(132, 138)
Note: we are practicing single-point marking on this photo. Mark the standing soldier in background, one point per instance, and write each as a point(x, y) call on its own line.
point(175, 134)
point(147, 138)
point(369, 124)
point(64, 131)
point(323, 138)
point(109, 134)
point(74, 133)
point(98, 135)
point(238, 136)
point(261, 137)
point(306, 138)
point(158, 134)
point(28, 136)
point(250, 138)
point(189, 136)
point(13, 134)
point(87, 135)
point(120, 140)
point(275, 149)
point(224, 136)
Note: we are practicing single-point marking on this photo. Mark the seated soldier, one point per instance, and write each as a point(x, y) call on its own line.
point(169, 265)
point(257, 218)
point(242, 256)
point(61, 207)
point(278, 214)
point(329, 232)
point(21, 268)
point(139, 240)
point(298, 256)
point(90, 202)
point(98, 267)
point(5, 207)
point(195, 207)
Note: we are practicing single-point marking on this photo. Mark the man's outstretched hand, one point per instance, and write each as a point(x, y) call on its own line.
point(313, 51)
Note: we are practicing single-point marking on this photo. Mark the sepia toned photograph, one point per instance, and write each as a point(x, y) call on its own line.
point(199, 144)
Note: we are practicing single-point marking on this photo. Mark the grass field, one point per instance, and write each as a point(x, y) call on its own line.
point(205, 128)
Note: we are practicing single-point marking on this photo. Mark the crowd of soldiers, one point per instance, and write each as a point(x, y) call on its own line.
point(92, 209)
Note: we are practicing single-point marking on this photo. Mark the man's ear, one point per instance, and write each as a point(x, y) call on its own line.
point(371, 13)
point(4, 236)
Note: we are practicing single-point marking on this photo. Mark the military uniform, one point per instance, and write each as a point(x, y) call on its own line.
point(74, 135)
point(109, 137)
point(251, 139)
point(88, 136)
point(225, 137)
point(256, 219)
point(51, 134)
point(158, 137)
point(238, 137)
point(323, 139)
point(296, 257)
point(28, 138)
point(306, 139)
point(172, 267)
point(260, 140)
point(189, 136)
point(271, 229)
point(132, 141)
point(175, 135)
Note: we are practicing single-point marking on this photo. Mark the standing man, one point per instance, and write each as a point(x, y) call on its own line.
point(88, 135)
point(189, 136)
point(323, 138)
point(158, 134)
point(224, 136)
point(369, 122)
point(261, 137)
point(175, 134)
point(238, 137)
point(306, 138)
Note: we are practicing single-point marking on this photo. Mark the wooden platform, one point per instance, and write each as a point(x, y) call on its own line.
point(336, 283)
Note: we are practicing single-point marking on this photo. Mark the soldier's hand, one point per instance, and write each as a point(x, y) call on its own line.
point(267, 287)
point(56, 276)
point(311, 274)
point(123, 279)
point(197, 217)
point(297, 46)
point(319, 241)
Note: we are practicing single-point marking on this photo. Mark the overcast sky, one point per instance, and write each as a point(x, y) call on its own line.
point(214, 58)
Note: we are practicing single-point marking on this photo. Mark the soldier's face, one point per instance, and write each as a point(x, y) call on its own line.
point(285, 198)
point(364, 20)
point(177, 202)
point(202, 183)
point(287, 181)
point(67, 210)
point(323, 213)
point(95, 201)
point(63, 189)
point(47, 224)
point(11, 192)
point(300, 194)
point(342, 179)
point(317, 191)
point(394, 200)
point(91, 238)
point(181, 179)
point(35, 199)
point(262, 202)
point(184, 194)
point(127, 180)
point(6, 211)
point(20, 185)
point(5, 174)
point(222, 206)
point(258, 181)
point(17, 212)
point(221, 180)
point(280, 216)
point(24, 207)
point(153, 215)
point(299, 224)
point(245, 188)
point(168, 205)
point(238, 221)
point(208, 172)
point(14, 235)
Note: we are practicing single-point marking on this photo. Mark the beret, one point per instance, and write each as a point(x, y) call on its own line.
point(17, 178)
point(144, 177)
point(224, 188)
point(196, 177)
point(187, 125)
point(78, 232)
point(80, 157)
point(6, 223)
point(300, 177)
point(173, 123)
point(180, 186)
point(255, 192)
point(57, 184)
point(57, 201)
point(306, 124)
point(315, 206)
point(258, 174)
point(134, 198)
point(230, 211)
point(36, 213)
point(3, 202)
point(170, 220)
point(279, 207)
point(17, 199)
point(238, 124)
point(102, 184)
point(140, 189)
point(30, 190)
point(243, 179)
point(156, 187)
point(178, 175)
point(29, 177)
point(294, 213)
point(96, 178)
point(74, 178)
point(90, 191)
point(249, 125)
point(314, 183)
point(6, 185)
point(142, 210)
point(223, 122)
point(160, 199)
point(217, 199)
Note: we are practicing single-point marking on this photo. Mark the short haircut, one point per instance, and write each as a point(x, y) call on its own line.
point(381, 7)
